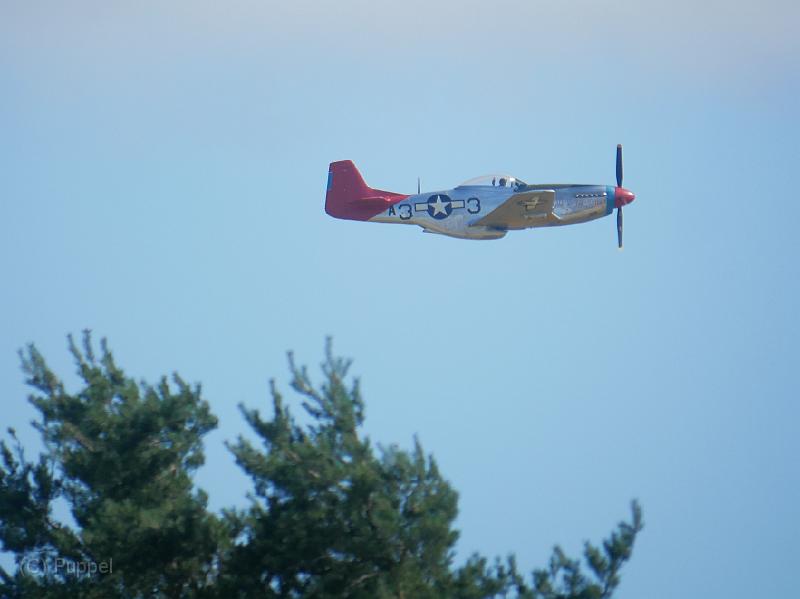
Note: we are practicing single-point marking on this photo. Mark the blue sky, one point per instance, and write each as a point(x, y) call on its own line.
point(162, 176)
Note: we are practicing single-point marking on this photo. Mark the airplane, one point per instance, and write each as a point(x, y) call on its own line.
point(481, 208)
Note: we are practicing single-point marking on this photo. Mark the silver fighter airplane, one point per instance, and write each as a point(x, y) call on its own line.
point(482, 208)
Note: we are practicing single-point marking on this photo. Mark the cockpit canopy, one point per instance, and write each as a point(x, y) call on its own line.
point(494, 180)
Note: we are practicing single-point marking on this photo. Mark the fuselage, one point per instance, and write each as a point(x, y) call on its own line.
point(454, 212)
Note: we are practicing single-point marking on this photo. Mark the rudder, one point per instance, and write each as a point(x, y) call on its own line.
point(348, 195)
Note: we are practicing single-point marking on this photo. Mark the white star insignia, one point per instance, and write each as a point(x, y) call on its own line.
point(438, 206)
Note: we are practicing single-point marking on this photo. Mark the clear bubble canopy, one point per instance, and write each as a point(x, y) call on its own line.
point(493, 180)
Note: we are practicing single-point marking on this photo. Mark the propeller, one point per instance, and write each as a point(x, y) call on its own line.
point(619, 184)
point(418, 187)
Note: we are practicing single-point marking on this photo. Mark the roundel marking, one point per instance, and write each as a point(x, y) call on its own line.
point(439, 206)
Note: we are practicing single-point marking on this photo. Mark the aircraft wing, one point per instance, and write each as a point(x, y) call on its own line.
point(522, 210)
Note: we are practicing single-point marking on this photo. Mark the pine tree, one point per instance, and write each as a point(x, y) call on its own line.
point(330, 518)
point(121, 455)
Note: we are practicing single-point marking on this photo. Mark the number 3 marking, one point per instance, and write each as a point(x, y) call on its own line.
point(475, 207)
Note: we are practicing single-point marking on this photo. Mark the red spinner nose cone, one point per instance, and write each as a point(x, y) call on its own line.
point(622, 197)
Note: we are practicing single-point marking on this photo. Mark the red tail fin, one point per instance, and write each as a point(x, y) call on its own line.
point(349, 197)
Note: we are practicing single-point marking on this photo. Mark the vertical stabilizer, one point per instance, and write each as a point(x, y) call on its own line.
point(348, 196)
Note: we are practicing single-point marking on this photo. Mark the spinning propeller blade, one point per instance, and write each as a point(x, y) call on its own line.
point(619, 184)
